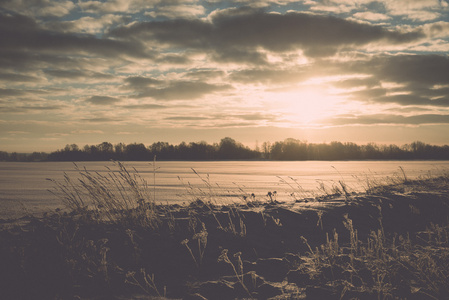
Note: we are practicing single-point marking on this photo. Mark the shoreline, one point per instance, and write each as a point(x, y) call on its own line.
point(237, 160)
point(25, 183)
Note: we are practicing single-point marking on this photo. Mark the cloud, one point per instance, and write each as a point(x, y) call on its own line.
point(70, 74)
point(102, 100)
point(114, 6)
point(39, 108)
point(370, 16)
point(255, 117)
point(186, 118)
point(233, 55)
point(271, 75)
point(421, 10)
point(204, 74)
point(127, 133)
point(412, 99)
point(437, 29)
point(83, 131)
point(144, 106)
point(31, 93)
point(12, 77)
point(42, 8)
point(11, 93)
point(171, 90)
point(231, 119)
point(88, 24)
point(233, 125)
point(21, 33)
point(419, 70)
point(176, 59)
point(231, 34)
point(337, 7)
point(177, 11)
point(100, 120)
point(56, 134)
point(401, 79)
point(18, 132)
point(387, 119)
point(417, 10)
point(33, 62)
point(183, 90)
point(188, 63)
point(29, 108)
point(139, 82)
point(369, 82)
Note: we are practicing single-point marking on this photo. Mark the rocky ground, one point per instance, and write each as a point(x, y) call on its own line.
point(389, 243)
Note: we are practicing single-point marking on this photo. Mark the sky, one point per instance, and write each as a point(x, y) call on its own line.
point(85, 72)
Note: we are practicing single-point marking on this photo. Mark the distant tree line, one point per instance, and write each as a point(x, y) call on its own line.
point(229, 149)
point(292, 149)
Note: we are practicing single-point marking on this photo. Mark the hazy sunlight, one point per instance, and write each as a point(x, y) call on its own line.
point(308, 106)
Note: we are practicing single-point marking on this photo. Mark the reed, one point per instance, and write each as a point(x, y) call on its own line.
point(118, 196)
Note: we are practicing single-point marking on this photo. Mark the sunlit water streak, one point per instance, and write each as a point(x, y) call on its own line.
point(23, 186)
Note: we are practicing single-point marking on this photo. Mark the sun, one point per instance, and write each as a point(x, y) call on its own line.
point(308, 106)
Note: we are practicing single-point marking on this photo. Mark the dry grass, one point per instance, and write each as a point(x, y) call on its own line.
point(119, 196)
point(117, 241)
point(384, 268)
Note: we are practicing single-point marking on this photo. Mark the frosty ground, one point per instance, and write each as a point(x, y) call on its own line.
point(389, 242)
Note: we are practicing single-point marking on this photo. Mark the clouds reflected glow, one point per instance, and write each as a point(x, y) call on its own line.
point(143, 71)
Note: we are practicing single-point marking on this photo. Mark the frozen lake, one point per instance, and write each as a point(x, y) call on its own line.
point(23, 186)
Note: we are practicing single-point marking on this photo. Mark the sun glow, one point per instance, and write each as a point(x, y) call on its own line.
point(310, 105)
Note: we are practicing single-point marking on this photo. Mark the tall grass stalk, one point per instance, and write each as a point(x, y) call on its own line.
point(148, 284)
point(154, 177)
point(117, 196)
point(201, 238)
point(237, 271)
point(388, 261)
